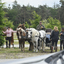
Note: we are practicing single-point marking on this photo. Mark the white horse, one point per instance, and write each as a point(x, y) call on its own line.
point(36, 36)
point(42, 39)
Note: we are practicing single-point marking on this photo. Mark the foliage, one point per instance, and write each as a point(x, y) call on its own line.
point(27, 25)
point(8, 23)
point(45, 23)
point(62, 12)
point(53, 22)
point(1, 23)
point(36, 19)
point(21, 14)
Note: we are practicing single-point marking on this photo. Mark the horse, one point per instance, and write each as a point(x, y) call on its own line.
point(37, 37)
point(20, 33)
point(23, 36)
point(34, 35)
point(42, 39)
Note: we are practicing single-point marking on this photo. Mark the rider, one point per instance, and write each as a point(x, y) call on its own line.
point(40, 26)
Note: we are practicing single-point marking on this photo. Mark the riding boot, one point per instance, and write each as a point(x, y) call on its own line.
point(55, 49)
point(52, 49)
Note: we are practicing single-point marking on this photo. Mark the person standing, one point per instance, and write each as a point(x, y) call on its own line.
point(54, 37)
point(40, 26)
point(8, 33)
point(62, 39)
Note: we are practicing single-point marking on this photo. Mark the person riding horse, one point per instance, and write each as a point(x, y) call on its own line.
point(40, 26)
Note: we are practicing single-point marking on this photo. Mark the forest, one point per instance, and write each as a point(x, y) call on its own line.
point(23, 14)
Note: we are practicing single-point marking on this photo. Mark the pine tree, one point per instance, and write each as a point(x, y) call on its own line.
point(62, 12)
point(1, 23)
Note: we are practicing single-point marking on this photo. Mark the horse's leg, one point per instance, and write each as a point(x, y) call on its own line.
point(12, 41)
point(37, 46)
point(19, 44)
point(43, 46)
point(34, 46)
point(44, 43)
point(23, 46)
point(31, 46)
point(13, 45)
point(40, 44)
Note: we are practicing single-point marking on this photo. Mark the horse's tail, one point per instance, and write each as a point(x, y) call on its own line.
point(12, 39)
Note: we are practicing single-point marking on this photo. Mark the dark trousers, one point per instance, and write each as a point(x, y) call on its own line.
point(54, 42)
point(8, 39)
point(61, 43)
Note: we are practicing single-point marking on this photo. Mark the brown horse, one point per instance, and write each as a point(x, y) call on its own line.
point(21, 34)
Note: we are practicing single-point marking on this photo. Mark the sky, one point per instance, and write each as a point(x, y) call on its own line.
point(34, 3)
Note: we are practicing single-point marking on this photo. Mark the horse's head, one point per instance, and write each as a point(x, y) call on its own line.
point(28, 33)
point(21, 26)
point(21, 33)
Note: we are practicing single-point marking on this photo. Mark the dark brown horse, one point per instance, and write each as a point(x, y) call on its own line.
point(21, 34)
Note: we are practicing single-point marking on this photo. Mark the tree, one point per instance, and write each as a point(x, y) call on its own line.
point(53, 22)
point(45, 23)
point(62, 12)
point(36, 19)
point(1, 23)
point(44, 11)
point(8, 23)
point(27, 25)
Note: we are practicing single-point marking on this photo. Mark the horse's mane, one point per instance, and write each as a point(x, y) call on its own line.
point(21, 26)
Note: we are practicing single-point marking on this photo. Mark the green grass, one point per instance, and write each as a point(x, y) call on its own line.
point(13, 50)
point(17, 50)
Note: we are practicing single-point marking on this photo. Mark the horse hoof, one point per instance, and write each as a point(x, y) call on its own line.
point(33, 50)
point(43, 51)
point(36, 50)
point(23, 51)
